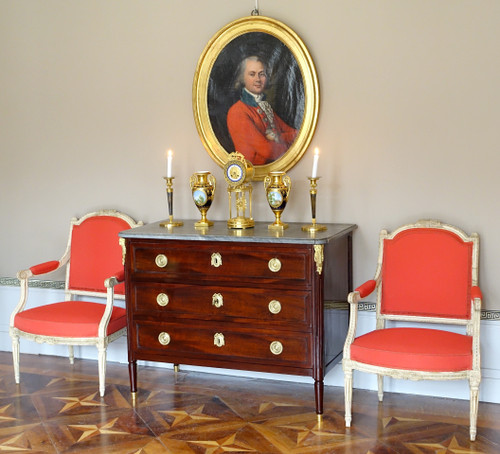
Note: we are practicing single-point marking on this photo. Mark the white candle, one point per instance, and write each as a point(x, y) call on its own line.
point(315, 163)
point(169, 163)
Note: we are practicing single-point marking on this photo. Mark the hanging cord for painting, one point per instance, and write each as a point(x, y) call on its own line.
point(255, 12)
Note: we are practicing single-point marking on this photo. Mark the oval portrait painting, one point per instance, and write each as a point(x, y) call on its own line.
point(255, 92)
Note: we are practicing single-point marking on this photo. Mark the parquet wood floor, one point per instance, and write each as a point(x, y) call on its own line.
point(57, 409)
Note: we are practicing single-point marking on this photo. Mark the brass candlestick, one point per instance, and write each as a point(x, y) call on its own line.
point(313, 227)
point(170, 199)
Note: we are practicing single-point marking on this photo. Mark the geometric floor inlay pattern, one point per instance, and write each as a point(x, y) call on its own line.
point(57, 409)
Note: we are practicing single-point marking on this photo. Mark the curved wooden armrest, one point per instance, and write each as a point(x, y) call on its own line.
point(41, 268)
point(353, 322)
point(362, 291)
point(23, 276)
point(367, 288)
point(45, 267)
point(109, 283)
point(114, 280)
point(477, 297)
point(353, 299)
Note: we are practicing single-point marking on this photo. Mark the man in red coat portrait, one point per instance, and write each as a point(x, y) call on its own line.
point(255, 129)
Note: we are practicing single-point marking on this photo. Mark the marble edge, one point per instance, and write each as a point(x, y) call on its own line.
point(220, 232)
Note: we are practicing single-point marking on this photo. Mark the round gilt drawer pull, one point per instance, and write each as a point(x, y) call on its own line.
point(216, 260)
point(161, 260)
point(217, 300)
point(162, 299)
point(276, 348)
point(274, 307)
point(274, 265)
point(219, 340)
point(164, 338)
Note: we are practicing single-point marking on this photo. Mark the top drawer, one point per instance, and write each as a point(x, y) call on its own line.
point(198, 260)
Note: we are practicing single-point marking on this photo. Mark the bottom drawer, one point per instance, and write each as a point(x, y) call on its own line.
point(174, 341)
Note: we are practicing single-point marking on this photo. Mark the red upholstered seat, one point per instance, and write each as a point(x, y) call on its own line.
point(69, 319)
point(414, 349)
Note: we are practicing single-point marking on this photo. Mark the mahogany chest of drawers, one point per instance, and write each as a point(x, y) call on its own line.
point(238, 299)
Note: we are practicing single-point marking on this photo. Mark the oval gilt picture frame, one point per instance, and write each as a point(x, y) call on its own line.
point(255, 91)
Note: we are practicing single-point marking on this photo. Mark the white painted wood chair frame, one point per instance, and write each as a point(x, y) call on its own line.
point(472, 329)
point(102, 340)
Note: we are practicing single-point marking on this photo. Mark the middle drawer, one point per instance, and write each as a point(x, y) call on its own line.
point(263, 304)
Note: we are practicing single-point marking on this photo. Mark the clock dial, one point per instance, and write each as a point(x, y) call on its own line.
point(235, 172)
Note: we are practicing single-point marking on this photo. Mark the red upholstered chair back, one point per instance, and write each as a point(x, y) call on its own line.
point(95, 253)
point(427, 272)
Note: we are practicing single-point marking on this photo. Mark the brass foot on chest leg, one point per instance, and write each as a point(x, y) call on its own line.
point(176, 368)
point(320, 419)
point(133, 396)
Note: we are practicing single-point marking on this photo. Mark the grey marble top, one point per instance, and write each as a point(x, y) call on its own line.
point(220, 232)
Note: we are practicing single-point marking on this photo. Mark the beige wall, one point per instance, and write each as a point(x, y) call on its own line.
point(94, 91)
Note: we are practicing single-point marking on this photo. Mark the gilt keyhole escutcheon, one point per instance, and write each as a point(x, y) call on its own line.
point(216, 260)
point(217, 300)
point(219, 340)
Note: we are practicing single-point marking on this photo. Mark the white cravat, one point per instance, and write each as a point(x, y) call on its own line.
point(265, 106)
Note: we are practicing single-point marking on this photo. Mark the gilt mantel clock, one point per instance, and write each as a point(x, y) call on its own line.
point(238, 173)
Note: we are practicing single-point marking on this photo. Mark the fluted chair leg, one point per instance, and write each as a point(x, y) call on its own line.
point(71, 352)
point(380, 386)
point(15, 357)
point(348, 396)
point(474, 402)
point(102, 370)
